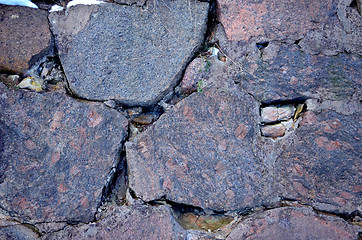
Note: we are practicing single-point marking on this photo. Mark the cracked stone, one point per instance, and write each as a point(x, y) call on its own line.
point(23, 44)
point(273, 114)
point(135, 222)
point(200, 153)
point(293, 223)
point(56, 154)
point(322, 165)
point(143, 51)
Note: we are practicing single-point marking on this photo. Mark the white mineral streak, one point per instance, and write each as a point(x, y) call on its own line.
point(84, 2)
point(25, 3)
point(56, 8)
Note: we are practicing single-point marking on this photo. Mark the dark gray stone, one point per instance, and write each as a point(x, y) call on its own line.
point(130, 54)
point(289, 73)
point(17, 232)
point(135, 222)
point(56, 154)
point(293, 223)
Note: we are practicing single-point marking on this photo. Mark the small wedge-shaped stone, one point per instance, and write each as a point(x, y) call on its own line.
point(128, 53)
point(273, 113)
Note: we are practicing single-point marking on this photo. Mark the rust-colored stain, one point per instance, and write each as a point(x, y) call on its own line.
point(55, 157)
point(241, 131)
point(188, 113)
point(329, 145)
point(94, 118)
point(62, 188)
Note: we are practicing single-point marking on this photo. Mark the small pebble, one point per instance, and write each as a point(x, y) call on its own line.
point(274, 131)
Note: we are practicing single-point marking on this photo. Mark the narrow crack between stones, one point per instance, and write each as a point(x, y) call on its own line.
point(348, 217)
point(117, 182)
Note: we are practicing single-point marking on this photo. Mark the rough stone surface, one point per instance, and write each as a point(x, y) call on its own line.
point(143, 51)
point(136, 222)
point(56, 154)
point(292, 74)
point(194, 73)
point(21, 43)
point(293, 223)
point(17, 232)
point(322, 165)
point(276, 130)
point(327, 27)
point(273, 19)
point(199, 153)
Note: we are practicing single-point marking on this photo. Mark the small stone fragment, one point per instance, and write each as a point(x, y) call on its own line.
point(110, 103)
point(145, 118)
point(30, 83)
point(194, 73)
point(10, 80)
point(134, 111)
point(285, 112)
point(273, 113)
point(204, 222)
point(269, 114)
point(274, 131)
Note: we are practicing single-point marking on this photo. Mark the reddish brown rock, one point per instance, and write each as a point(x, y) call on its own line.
point(25, 37)
point(195, 72)
point(322, 165)
point(293, 223)
point(56, 154)
point(273, 19)
point(136, 222)
point(200, 153)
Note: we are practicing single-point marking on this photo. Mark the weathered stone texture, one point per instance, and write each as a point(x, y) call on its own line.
point(292, 74)
point(274, 19)
point(293, 223)
point(25, 37)
point(322, 166)
point(136, 222)
point(195, 72)
point(199, 153)
point(17, 232)
point(129, 54)
point(328, 27)
point(56, 154)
